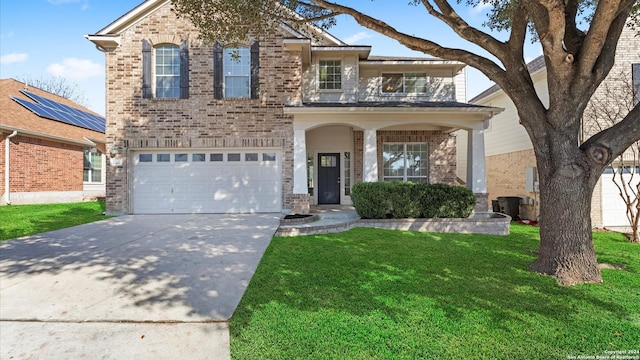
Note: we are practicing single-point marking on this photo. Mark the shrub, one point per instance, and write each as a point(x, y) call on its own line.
point(381, 200)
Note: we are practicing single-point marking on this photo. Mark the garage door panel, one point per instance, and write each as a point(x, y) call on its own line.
point(207, 186)
point(613, 206)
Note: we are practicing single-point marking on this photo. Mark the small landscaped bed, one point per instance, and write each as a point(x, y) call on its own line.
point(384, 294)
point(22, 220)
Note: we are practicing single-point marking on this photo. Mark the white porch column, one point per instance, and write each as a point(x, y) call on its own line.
point(476, 173)
point(370, 154)
point(299, 162)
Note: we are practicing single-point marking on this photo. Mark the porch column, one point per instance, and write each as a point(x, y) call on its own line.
point(300, 162)
point(476, 168)
point(370, 154)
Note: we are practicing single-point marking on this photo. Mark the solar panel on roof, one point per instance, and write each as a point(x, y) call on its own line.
point(54, 110)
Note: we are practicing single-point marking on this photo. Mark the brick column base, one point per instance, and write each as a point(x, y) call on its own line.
point(482, 202)
point(299, 203)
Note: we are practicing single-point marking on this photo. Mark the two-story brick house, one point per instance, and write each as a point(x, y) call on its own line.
point(277, 124)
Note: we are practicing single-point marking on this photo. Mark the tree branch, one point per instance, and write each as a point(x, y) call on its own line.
point(449, 16)
point(613, 141)
point(594, 41)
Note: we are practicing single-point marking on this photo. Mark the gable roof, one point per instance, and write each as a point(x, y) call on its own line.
point(17, 117)
point(108, 37)
point(533, 66)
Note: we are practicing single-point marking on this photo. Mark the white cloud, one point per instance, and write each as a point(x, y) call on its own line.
point(76, 69)
point(357, 37)
point(13, 58)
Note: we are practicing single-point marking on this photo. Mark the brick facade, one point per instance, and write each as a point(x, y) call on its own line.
point(200, 121)
point(39, 165)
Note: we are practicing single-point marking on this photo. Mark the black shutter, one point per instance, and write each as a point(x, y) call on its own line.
point(184, 70)
point(146, 69)
point(255, 70)
point(218, 75)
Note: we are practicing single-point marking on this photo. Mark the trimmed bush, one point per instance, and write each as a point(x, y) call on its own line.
point(398, 200)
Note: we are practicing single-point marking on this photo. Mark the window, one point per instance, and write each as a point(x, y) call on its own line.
point(635, 76)
point(310, 175)
point(146, 158)
point(237, 72)
point(181, 157)
point(407, 83)
point(198, 157)
point(163, 158)
point(268, 156)
point(330, 75)
point(405, 162)
point(251, 157)
point(215, 157)
point(233, 157)
point(92, 165)
point(165, 71)
point(346, 179)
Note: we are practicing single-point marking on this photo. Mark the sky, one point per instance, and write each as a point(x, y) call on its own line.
point(40, 39)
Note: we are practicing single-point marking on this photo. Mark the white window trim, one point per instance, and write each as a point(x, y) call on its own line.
point(102, 170)
point(341, 75)
point(404, 146)
point(225, 76)
point(154, 74)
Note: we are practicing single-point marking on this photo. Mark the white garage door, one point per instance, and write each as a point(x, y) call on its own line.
point(181, 182)
point(613, 207)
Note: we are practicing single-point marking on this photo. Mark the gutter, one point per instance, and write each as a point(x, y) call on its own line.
point(7, 193)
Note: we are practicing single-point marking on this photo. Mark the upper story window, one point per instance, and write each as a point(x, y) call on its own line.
point(635, 78)
point(169, 77)
point(237, 72)
point(92, 165)
point(330, 74)
point(404, 83)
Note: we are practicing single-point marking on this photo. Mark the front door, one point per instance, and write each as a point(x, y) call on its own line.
point(328, 178)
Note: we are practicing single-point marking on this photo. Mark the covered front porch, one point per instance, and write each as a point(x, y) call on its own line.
point(337, 145)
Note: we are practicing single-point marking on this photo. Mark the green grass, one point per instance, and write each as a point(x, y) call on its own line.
point(23, 220)
point(383, 294)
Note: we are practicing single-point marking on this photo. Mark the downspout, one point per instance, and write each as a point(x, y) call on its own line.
point(7, 193)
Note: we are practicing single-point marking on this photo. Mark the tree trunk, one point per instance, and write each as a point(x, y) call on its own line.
point(566, 244)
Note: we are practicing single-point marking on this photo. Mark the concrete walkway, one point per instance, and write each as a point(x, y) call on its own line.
point(143, 287)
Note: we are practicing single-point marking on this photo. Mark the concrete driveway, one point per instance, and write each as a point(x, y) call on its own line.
point(138, 286)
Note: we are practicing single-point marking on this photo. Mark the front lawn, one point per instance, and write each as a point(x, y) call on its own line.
point(384, 294)
point(23, 220)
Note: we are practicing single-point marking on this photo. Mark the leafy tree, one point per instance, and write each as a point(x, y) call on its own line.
point(59, 86)
point(577, 61)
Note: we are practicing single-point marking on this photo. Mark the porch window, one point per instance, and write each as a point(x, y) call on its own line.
point(404, 83)
point(92, 165)
point(405, 162)
point(310, 184)
point(346, 163)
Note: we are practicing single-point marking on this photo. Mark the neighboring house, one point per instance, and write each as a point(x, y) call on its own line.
point(278, 124)
point(510, 153)
point(52, 147)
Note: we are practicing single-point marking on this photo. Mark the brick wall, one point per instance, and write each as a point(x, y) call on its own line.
point(42, 165)
point(506, 177)
point(199, 121)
